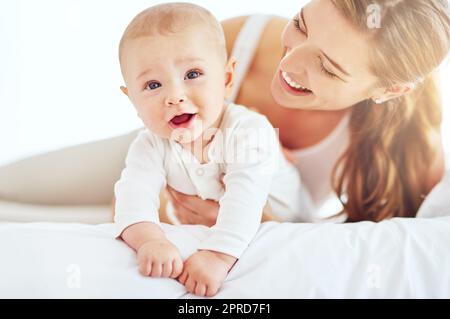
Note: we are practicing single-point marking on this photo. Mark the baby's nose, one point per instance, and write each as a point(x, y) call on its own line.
point(175, 100)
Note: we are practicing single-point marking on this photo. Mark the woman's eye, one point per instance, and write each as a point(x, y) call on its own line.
point(325, 71)
point(297, 25)
point(153, 85)
point(192, 75)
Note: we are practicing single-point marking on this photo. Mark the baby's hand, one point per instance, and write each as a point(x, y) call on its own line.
point(159, 258)
point(205, 271)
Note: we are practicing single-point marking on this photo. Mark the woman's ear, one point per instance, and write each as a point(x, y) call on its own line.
point(384, 95)
point(124, 90)
point(229, 75)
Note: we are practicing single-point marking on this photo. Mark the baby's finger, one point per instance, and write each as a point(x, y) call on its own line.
point(145, 268)
point(156, 269)
point(190, 284)
point(200, 289)
point(183, 277)
point(177, 267)
point(211, 290)
point(166, 269)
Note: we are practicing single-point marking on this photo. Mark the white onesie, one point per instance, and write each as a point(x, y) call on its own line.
point(245, 149)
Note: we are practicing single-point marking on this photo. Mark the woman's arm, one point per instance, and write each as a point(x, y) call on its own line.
point(193, 210)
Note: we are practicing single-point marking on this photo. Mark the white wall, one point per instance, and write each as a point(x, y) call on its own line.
point(9, 80)
point(60, 78)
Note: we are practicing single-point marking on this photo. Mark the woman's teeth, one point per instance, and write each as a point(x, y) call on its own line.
point(294, 84)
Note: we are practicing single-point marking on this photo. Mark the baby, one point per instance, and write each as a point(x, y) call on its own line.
point(174, 63)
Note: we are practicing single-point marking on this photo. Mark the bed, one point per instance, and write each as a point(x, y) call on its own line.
point(48, 253)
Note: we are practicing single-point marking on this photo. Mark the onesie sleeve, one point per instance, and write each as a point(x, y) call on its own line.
point(251, 159)
point(141, 181)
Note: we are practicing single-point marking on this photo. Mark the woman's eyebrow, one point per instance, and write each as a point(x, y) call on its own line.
point(334, 63)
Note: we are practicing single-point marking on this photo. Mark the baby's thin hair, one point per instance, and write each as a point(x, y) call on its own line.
point(170, 18)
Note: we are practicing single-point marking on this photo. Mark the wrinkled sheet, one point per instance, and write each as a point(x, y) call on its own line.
point(397, 258)
point(401, 258)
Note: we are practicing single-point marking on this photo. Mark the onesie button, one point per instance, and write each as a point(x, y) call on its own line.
point(200, 171)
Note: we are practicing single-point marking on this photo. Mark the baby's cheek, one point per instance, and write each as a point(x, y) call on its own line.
point(148, 120)
point(155, 123)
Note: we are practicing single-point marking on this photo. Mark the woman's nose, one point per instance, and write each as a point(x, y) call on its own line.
point(296, 59)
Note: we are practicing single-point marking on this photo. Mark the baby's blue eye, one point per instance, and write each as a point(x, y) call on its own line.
point(192, 75)
point(153, 85)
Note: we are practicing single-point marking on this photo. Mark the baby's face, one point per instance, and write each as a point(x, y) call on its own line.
point(177, 83)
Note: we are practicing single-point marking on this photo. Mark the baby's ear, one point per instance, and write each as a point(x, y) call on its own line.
point(229, 75)
point(124, 90)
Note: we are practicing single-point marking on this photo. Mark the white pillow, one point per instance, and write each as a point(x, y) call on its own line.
point(437, 203)
point(19, 212)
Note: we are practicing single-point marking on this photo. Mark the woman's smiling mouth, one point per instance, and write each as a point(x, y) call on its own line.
point(292, 86)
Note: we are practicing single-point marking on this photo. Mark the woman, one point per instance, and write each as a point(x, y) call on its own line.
point(353, 95)
point(375, 80)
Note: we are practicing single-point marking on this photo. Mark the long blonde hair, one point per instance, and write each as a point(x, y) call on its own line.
point(383, 172)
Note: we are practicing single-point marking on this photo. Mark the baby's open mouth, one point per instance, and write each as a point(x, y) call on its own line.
point(183, 120)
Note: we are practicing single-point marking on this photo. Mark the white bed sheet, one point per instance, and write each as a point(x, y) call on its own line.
point(395, 259)
point(398, 258)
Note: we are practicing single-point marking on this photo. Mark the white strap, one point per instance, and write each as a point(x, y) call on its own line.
point(245, 47)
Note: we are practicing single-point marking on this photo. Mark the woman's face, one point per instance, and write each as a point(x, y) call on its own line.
point(326, 64)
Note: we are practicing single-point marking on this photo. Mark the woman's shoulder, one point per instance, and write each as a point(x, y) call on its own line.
point(269, 45)
point(231, 28)
point(264, 64)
